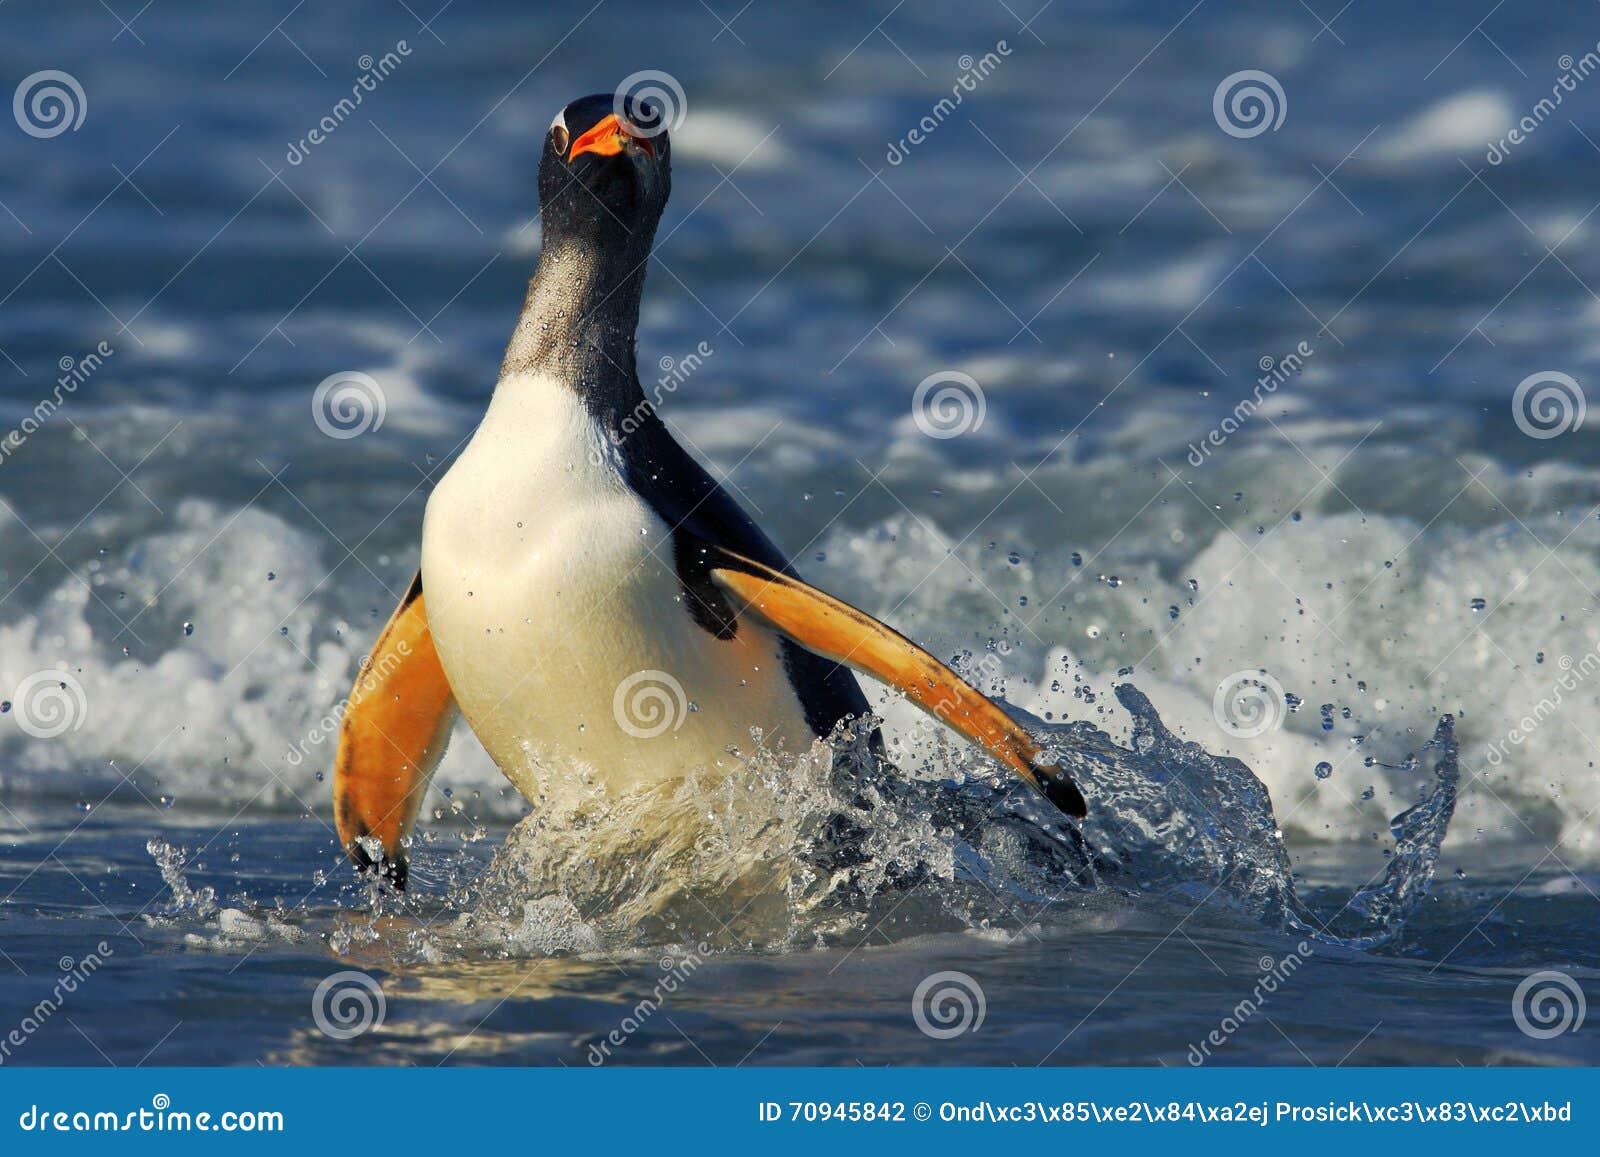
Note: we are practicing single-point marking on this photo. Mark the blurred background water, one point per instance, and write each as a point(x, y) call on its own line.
point(1115, 264)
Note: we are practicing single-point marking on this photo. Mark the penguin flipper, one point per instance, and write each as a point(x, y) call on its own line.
point(835, 630)
point(396, 723)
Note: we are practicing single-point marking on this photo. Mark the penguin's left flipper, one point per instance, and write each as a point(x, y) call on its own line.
point(835, 630)
point(395, 726)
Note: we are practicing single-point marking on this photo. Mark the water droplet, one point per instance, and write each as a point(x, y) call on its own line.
point(1369, 793)
point(1478, 605)
point(1295, 516)
point(1013, 558)
point(1077, 559)
point(1172, 611)
point(1194, 585)
point(272, 576)
point(1323, 770)
point(188, 629)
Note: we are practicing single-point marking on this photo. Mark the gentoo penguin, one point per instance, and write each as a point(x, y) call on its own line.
point(575, 556)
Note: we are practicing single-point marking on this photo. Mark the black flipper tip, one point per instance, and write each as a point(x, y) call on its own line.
point(1059, 789)
point(394, 870)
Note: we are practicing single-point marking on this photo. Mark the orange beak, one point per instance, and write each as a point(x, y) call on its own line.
point(608, 139)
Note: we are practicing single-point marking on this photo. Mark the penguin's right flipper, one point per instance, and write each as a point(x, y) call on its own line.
point(396, 723)
point(835, 630)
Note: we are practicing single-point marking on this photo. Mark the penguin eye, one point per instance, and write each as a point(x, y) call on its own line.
point(558, 136)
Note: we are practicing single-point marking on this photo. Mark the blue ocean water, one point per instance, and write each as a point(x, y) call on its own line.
point(1063, 205)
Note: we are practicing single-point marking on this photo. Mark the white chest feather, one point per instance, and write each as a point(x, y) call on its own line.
point(557, 613)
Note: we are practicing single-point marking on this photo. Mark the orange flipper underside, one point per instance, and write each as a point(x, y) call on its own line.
point(394, 730)
point(835, 630)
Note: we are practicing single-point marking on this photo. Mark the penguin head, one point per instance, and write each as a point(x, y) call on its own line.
point(606, 172)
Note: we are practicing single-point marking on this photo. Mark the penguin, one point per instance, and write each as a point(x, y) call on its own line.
point(588, 595)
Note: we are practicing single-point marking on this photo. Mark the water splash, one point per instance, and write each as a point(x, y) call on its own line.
point(170, 861)
point(1166, 815)
point(822, 848)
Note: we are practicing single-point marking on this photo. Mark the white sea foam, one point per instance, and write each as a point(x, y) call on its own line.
point(1459, 124)
point(215, 714)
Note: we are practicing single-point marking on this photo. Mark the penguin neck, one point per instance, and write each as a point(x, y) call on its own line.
point(579, 325)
